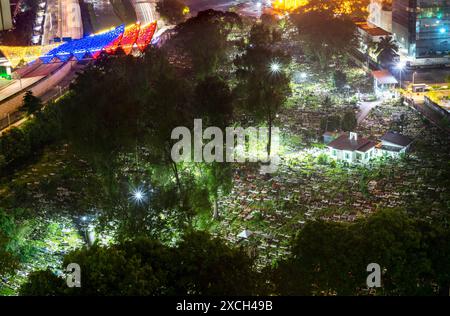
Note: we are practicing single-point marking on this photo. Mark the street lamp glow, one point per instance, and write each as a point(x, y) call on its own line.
point(137, 195)
point(275, 67)
point(401, 66)
point(442, 30)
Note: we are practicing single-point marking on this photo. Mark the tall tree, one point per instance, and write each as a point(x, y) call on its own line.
point(349, 121)
point(325, 37)
point(386, 50)
point(214, 104)
point(31, 104)
point(173, 11)
point(263, 84)
point(206, 39)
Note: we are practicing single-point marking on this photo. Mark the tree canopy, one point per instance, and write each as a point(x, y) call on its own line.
point(335, 261)
point(324, 36)
point(146, 267)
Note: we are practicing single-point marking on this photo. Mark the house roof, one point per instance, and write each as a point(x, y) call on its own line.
point(344, 142)
point(396, 138)
point(372, 30)
point(370, 144)
point(384, 77)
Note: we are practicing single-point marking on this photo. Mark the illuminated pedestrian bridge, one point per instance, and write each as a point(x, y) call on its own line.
point(134, 36)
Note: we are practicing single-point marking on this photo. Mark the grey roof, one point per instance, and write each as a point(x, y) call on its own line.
point(396, 138)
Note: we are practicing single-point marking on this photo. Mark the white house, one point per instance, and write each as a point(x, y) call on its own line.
point(384, 82)
point(394, 144)
point(351, 148)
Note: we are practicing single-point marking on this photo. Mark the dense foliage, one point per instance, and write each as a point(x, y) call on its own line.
point(411, 254)
point(146, 267)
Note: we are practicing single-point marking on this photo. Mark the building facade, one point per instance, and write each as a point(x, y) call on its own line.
point(380, 14)
point(352, 148)
point(422, 29)
point(5, 15)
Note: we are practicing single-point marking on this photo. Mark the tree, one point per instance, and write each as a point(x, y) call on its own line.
point(206, 39)
point(147, 267)
point(201, 269)
point(387, 51)
point(31, 104)
point(263, 84)
point(217, 177)
point(327, 106)
point(349, 121)
point(213, 102)
point(338, 7)
point(331, 123)
point(339, 79)
point(172, 10)
point(7, 260)
point(17, 144)
point(148, 101)
point(335, 261)
point(325, 37)
point(43, 283)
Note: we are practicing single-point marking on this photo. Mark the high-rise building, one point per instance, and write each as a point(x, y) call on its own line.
point(5, 15)
point(422, 28)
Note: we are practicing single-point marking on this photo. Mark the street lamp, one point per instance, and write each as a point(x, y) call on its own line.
point(275, 67)
point(138, 195)
point(400, 67)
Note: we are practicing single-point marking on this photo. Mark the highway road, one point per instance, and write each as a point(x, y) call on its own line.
point(15, 87)
point(71, 24)
point(62, 19)
point(104, 15)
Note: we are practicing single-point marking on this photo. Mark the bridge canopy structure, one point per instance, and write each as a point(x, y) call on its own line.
point(18, 55)
point(134, 35)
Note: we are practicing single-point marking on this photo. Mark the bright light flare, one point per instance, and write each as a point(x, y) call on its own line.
point(275, 67)
point(400, 66)
point(138, 195)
